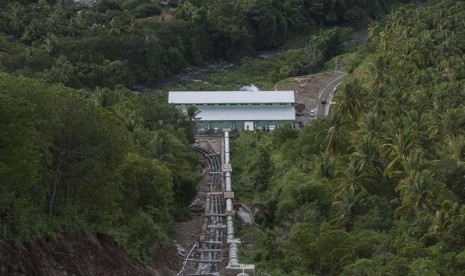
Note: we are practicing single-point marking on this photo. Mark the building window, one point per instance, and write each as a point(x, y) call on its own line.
point(283, 104)
point(268, 104)
point(232, 104)
point(210, 104)
point(244, 104)
point(222, 104)
point(255, 104)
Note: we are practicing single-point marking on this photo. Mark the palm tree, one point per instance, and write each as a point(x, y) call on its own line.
point(346, 204)
point(28, 56)
point(398, 147)
point(48, 43)
point(379, 70)
point(163, 146)
point(454, 149)
point(129, 116)
point(371, 125)
point(327, 165)
point(396, 105)
point(62, 70)
point(53, 22)
point(452, 123)
point(43, 5)
point(356, 177)
point(442, 218)
point(192, 112)
point(16, 21)
point(377, 100)
point(348, 99)
point(99, 97)
point(335, 139)
point(29, 34)
point(368, 153)
point(59, 9)
point(416, 194)
point(72, 26)
point(450, 165)
point(114, 27)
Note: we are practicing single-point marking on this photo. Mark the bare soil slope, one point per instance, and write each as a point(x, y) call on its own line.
point(306, 89)
point(69, 254)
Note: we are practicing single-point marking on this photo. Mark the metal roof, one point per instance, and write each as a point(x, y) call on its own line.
point(246, 113)
point(200, 97)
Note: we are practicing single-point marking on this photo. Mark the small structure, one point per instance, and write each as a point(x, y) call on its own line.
point(237, 110)
point(300, 108)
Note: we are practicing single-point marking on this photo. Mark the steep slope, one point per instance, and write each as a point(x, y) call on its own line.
point(70, 254)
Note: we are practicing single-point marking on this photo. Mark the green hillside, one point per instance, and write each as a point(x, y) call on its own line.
point(376, 188)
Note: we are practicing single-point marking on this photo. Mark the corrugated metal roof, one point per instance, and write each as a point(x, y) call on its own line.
point(197, 97)
point(246, 113)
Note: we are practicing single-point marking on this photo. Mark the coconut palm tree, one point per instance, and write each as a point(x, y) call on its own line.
point(48, 43)
point(326, 165)
point(53, 22)
point(349, 99)
point(346, 203)
point(72, 27)
point(396, 148)
point(16, 20)
point(61, 71)
point(452, 123)
point(379, 70)
point(192, 113)
point(371, 125)
point(368, 153)
point(335, 139)
point(30, 33)
point(114, 27)
point(356, 177)
point(443, 217)
point(417, 194)
point(129, 116)
point(28, 56)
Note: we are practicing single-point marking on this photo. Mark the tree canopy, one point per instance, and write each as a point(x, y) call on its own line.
point(377, 187)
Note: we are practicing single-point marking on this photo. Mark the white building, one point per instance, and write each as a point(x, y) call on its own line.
point(241, 110)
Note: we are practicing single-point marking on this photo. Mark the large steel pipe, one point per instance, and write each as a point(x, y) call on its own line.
point(233, 258)
point(230, 227)
point(228, 182)
point(229, 205)
point(226, 147)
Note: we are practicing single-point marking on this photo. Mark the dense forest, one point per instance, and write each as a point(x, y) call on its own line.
point(378, 187)
point(106, 162)
point(375, 188)
point(128, 42)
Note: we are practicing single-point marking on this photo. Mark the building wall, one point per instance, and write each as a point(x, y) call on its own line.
point(184, 106)
point(257, 112)
point(202, 126)
point(263, 116)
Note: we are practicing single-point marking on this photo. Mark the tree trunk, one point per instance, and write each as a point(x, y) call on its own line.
point(54, 193)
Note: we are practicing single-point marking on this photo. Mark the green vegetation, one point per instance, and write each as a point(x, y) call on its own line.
point(106, 161)
point(266, 72)
point(124, 42)
point(376, 188)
